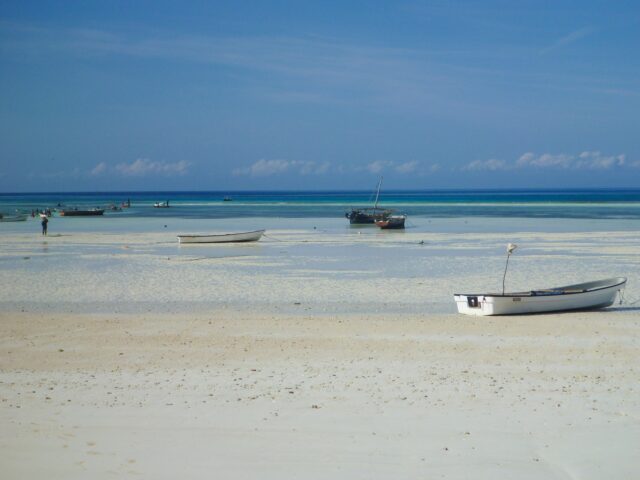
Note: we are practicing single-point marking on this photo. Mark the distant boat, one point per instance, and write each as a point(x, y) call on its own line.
point(392, 222)
point(227, 199)
point(369, 215)
point(222, 238)
point(161, 204)
point(582, 296)
point(74, 212)
point(12, 218)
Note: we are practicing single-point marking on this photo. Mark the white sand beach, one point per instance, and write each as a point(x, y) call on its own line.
point(126, 356)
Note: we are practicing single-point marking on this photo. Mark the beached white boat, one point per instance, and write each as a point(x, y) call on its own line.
point(222, 238)
point(583, 296)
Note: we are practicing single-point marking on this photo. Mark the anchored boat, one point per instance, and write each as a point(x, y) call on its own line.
point(392, 222)
point(371, 214)
point(81, 213)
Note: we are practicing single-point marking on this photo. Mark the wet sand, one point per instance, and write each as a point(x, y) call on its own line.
point(316, 353)
point(248, 395)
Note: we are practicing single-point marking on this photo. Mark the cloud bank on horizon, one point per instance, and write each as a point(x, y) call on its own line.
point(143, 167)
point(320, 96)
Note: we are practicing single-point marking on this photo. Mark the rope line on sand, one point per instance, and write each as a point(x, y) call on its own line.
point(624, 301)
point(341, 242)
point(272, 238)
point(178, 259)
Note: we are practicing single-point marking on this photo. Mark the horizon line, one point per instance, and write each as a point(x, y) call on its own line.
point(412, 190)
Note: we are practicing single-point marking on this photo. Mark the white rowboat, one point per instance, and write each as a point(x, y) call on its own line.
point(222, 238)
point(583, 296)
point(13, 218)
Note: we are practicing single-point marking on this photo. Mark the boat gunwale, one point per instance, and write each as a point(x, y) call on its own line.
point(366, 209)
point(530, 295)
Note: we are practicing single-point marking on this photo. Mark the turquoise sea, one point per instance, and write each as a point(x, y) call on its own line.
point(584, 204)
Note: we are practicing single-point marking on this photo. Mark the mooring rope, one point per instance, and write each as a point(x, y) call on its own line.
point(272, 238)
point(624, 301)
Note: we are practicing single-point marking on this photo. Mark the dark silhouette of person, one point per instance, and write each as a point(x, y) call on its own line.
point(44, 223)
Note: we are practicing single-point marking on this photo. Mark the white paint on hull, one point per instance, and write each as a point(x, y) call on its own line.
point(590, 295)
point(222, 238)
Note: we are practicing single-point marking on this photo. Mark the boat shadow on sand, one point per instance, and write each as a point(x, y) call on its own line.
point(593, 311)
point(620, 308)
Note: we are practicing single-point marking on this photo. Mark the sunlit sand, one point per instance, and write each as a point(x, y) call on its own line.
point(312, 354)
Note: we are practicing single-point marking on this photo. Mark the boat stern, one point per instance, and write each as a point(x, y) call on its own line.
point(476, 305)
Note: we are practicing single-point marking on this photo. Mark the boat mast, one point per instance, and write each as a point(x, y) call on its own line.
point(375, 205)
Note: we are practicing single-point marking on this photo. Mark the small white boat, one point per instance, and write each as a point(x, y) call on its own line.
point(161, 204)
point(12, 218)
point(583, 296)
point(222, 238)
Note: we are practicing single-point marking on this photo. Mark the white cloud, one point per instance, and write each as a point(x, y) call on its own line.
point(144, 166)
point(99, 169)
point(597, 161)
point(264, 167)
point(407, 167)
point(544, 160)
point(492, 164)
point(312, 168)
point(568, 39)
point(525, 158)
point(378, 166)
point(586, 160)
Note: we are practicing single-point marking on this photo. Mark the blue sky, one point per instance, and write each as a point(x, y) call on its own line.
point(318, 95)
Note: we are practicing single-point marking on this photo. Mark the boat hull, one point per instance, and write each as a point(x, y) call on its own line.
point(81, 213)
point(365, 216)
point(584, 296)
point(393, 222)
point(222, 238)
point(13, 218)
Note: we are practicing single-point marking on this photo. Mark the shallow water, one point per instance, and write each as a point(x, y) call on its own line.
point(302, 265)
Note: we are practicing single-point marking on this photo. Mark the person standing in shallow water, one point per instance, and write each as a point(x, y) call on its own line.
point(44, 223)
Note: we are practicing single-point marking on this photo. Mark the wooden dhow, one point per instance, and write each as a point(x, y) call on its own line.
point(369, 215)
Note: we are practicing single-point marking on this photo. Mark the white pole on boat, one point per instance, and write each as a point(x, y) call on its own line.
point(510, 248)
point(375, 205)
